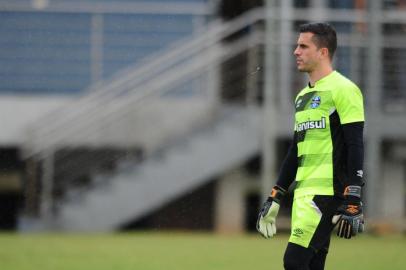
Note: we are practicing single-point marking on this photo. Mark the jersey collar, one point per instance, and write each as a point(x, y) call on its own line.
point(322, 79)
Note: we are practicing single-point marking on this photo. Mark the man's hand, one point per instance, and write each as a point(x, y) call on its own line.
point(266, 218)
point(349, 215)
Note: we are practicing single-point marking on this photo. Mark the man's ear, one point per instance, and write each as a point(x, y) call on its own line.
point(324, 52)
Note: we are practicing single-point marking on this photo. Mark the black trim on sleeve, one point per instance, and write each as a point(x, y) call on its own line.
point(353, 137)
point(288, 169)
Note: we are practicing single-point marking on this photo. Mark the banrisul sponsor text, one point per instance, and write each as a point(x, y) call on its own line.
point(311, 124)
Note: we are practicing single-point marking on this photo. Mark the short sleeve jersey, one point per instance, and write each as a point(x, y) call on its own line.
point(321, 110)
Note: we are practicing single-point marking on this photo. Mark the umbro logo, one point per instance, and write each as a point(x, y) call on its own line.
point(298, 103)
point(297, 232)
point(360, 173)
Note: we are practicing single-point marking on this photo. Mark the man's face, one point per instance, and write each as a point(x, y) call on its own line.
point(307, 54)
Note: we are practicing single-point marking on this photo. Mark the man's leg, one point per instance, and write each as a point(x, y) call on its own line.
point(321, 238)
point(297, 257)
point(311, 232)
point(319, 259)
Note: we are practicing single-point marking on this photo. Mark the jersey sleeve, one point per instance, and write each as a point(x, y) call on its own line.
point(353, 137)
point(349, 103)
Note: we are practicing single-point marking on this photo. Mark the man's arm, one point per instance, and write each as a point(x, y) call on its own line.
point(350, 215)
point(288, 169)
point(353, 137)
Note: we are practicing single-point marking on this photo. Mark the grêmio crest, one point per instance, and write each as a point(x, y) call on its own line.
point(315, 102)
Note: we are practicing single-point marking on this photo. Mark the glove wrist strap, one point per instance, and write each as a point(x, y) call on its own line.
point(354, 191)
point(353, 194)
point(277, 194)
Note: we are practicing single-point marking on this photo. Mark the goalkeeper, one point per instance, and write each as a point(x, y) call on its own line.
point(325, 159)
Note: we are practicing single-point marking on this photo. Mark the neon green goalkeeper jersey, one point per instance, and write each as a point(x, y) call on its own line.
point(320, 111)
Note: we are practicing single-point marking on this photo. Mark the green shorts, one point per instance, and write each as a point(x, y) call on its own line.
point(311, 220)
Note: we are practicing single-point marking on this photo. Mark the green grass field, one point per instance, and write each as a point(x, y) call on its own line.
point(194, 251)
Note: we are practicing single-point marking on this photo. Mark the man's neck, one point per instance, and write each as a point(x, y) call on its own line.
point(319, 74)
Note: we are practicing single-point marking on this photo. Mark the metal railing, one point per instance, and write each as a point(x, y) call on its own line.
point(132, 89)
point(152, 76)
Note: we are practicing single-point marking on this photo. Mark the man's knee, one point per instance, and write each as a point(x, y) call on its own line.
point(319, 260)
point(292, 263)
point(297, 257)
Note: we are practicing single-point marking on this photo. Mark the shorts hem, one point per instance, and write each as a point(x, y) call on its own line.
point(300, 243)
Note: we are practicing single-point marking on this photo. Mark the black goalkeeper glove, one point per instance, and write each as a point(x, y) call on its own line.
point(349, 217)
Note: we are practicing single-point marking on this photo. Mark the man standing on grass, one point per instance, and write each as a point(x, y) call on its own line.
point(325, 158)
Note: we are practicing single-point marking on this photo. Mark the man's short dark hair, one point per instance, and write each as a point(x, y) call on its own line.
point(325, 36)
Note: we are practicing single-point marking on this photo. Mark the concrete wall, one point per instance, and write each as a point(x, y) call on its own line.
point(17, 112)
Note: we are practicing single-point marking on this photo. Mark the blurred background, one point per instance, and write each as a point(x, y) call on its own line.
point(176, 114)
